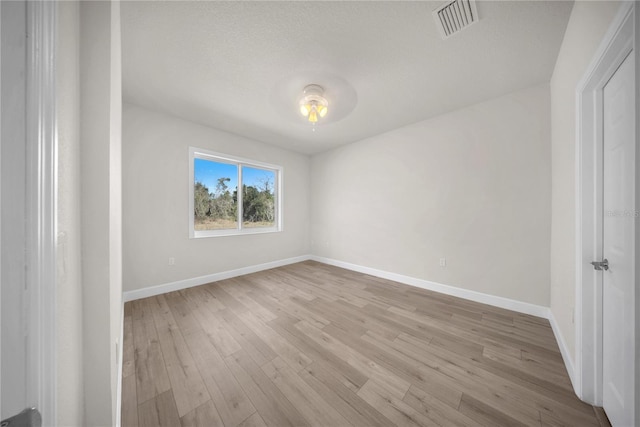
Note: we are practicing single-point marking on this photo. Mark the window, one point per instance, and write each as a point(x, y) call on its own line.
point(217, 208)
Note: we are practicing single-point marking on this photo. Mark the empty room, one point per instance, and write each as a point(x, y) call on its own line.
point(320, 213)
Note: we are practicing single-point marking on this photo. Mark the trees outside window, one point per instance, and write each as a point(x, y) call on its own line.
point(218, 209)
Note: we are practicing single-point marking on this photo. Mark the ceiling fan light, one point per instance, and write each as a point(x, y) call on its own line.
point(313, 105)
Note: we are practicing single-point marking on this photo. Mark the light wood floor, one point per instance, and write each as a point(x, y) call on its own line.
point(311, 344)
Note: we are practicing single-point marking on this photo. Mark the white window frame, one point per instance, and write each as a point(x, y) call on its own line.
point(201, 153)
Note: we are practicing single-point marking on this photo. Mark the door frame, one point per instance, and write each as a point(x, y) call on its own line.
point(618, 42)
point(41, 210)
point(41, 187)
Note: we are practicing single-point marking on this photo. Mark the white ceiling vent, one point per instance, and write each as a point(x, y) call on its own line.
point(454, 16)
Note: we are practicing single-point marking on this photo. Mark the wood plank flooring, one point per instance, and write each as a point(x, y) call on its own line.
point(314, 345)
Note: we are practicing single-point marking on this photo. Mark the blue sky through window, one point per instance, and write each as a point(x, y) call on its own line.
point(257, 177)
point(208, 172)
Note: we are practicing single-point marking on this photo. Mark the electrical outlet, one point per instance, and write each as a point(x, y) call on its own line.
point(443, 262)
point(172, 261)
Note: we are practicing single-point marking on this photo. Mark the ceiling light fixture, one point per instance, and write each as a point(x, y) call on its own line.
point(313, 104)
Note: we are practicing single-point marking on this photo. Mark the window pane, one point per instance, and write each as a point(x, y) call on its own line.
point(215, 195)
point(258, 197)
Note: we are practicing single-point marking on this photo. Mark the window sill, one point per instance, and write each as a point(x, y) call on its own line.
point(224, 233)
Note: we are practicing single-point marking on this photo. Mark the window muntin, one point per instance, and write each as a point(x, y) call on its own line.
point(217, 208)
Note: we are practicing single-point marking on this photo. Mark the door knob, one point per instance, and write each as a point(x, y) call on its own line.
point(600, 265)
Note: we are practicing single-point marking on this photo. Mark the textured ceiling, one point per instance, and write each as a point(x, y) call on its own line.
point(232, 65)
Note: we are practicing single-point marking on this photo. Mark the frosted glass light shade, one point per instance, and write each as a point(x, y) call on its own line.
point(313, 104)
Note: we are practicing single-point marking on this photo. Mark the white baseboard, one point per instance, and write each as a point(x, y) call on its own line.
point(202, 280)
point(564, 351)
point(496, 301)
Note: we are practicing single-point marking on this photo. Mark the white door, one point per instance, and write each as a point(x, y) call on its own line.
point(618, 245)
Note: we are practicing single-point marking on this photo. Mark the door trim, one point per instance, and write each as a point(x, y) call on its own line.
point(0, 227)
point(41, 187)
point(615, 47)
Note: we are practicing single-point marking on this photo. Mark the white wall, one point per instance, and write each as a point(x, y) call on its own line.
point(156, 202)
point(637, 239)
point(101, 237)
point(587, 25)
point(472, 186)
point(70, 398)
point(13, 210)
